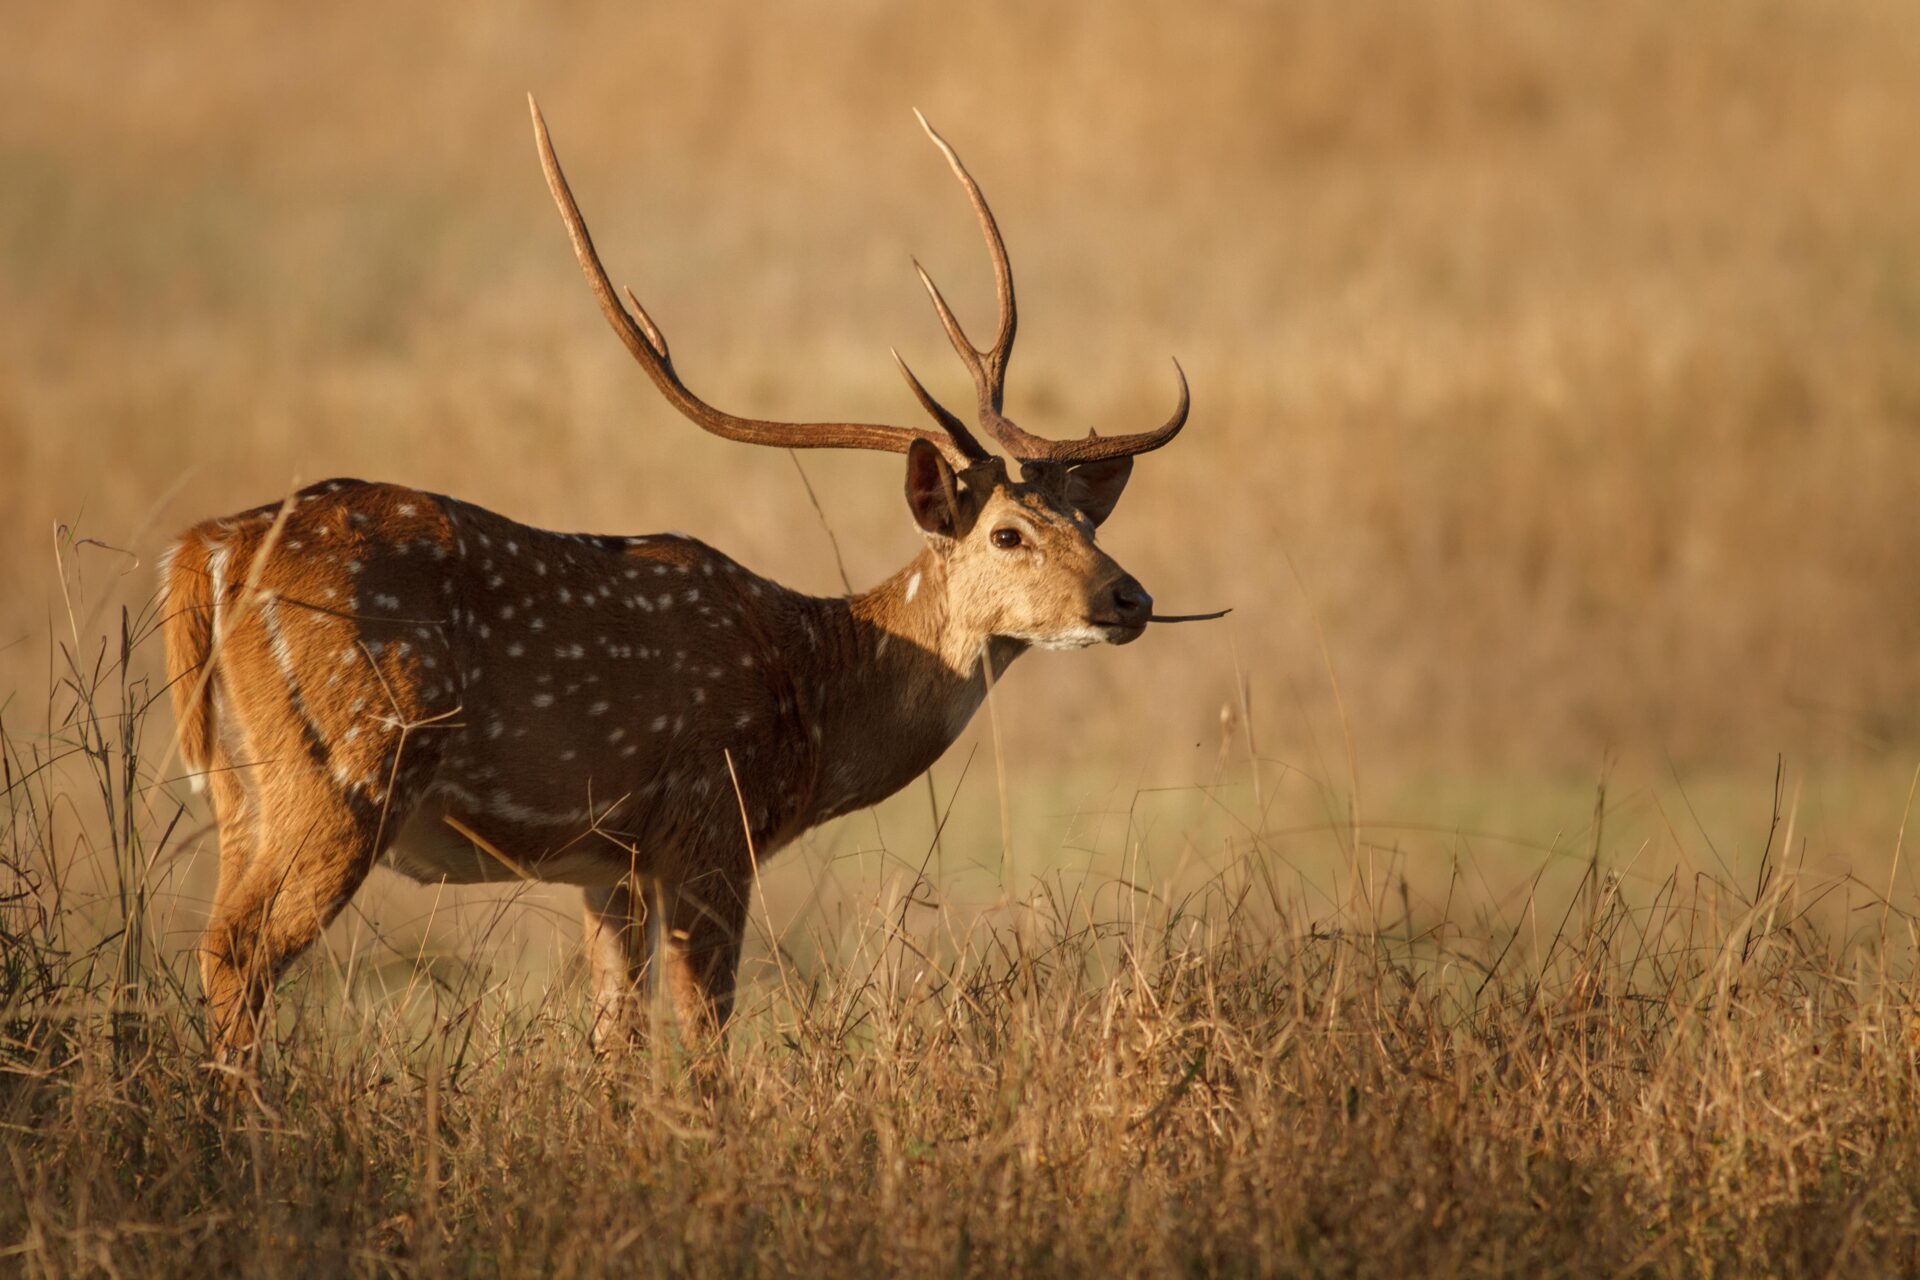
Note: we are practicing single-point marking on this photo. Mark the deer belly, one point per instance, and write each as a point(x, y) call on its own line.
point(429, 850)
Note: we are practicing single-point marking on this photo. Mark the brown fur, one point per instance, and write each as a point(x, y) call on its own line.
point(410, 677)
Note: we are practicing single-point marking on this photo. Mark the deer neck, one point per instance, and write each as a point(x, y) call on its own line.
point(896, 681)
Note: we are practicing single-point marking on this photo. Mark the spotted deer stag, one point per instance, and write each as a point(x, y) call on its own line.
point(366, 672)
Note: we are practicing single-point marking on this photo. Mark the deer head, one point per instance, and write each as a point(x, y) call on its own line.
point(1015, 558)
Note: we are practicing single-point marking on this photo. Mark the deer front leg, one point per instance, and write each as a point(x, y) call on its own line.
point(700, 954)
point(619, 955)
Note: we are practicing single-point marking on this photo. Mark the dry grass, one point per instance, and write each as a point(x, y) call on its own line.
point(1555, 385)
point(1135, 1067)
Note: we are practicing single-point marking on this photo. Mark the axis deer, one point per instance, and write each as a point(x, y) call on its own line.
point(366, 672)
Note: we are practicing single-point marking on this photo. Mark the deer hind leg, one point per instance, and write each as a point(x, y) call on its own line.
point(339, 724)
point(234, 791)
point(322, 812)
point(619, 955)
point(700, 953)
point(310, 859)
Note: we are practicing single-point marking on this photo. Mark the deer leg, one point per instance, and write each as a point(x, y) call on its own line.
point(309, 861)
point(618, 954)
point(236, 813)
point(239, 822)
point(700, 954)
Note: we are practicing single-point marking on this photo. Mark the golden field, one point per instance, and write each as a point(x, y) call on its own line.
point(1516, 883)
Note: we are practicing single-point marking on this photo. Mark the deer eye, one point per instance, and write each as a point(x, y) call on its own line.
point(1006, 539)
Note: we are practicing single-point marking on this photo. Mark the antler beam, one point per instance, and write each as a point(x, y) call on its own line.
point(649, 346)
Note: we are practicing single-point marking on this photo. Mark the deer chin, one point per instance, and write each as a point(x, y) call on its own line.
point(1084, 636)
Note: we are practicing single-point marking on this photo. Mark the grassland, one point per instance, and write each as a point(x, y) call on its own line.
point(1517, 883)
point(1230, 1044)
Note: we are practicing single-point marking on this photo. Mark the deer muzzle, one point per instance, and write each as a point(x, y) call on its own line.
point(1122, 610)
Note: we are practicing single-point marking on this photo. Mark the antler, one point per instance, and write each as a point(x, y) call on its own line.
point(989, 367)
point(649, 346)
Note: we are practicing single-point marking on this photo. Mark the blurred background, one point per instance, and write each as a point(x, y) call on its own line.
point(1556, 368)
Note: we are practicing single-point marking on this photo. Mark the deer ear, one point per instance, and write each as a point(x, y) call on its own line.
point(933, 493)
point(1094, 487)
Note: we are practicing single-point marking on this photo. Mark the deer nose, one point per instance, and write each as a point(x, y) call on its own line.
point(1131, 603)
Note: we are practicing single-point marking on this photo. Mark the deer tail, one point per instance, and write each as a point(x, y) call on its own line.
point(192, 580)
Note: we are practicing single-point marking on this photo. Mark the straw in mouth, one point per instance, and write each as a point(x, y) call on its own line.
point(1187, 617)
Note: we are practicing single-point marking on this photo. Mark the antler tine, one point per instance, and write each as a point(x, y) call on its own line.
point(988, 367)
point(940, 413)
point(1101, 448)
point(995, 358)
point(649, 346)
point(655, 339)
